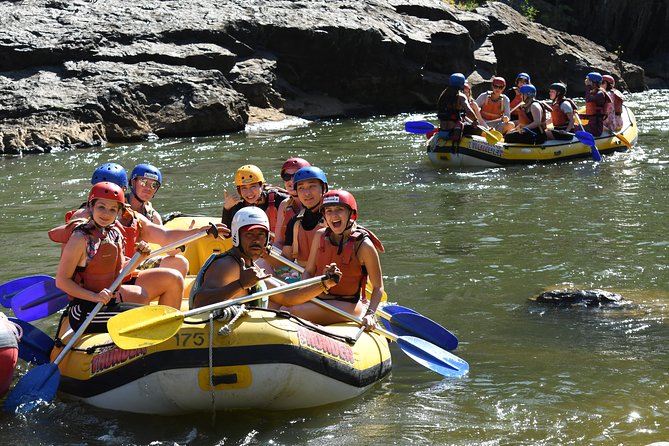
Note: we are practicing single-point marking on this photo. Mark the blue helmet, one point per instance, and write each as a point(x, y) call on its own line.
point(524, 76)
point(595, 77)
point(147, 171)
point(457, 80)
point(308, 173)
point(112, 172)
point(528, 89)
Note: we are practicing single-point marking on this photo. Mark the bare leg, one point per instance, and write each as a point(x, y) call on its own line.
point(314, 313)
point(177, 262)
point(165, 284)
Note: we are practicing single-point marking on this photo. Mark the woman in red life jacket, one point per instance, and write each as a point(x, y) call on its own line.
point(562, 113)
point(252, 191)
point(614, 118)
point(495, 106)
point(595, 104)
point(531, 128)
point(292, 206)
point(310, 183)
point(354, 250)
point(93, 257)
point(514, 95)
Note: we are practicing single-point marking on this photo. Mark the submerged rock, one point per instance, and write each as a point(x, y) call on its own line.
point(583, 298)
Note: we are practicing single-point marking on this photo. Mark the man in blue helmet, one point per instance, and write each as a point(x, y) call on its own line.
point(595, 104)
point(310, 183)
point(514, 94)
point(531, 128)
point(145, 180)
point(452, 107)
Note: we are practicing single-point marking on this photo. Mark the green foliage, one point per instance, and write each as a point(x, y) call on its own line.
point(465, 5)
point(528, 10)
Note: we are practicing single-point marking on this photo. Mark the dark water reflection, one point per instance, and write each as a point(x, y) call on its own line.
point(466, 248)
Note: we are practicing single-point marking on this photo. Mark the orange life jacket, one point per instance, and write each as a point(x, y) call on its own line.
point(105, 260)
point(291, 209)
point(558, 117)
point(492, 109)
point(353, 280)
point(515, 101)
point(304, 239)
point(593, 110)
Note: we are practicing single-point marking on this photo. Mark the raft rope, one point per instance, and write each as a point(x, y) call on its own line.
point(211, 368)
point(239, 312)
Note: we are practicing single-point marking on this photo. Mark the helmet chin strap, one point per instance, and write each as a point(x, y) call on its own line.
point(134, 194)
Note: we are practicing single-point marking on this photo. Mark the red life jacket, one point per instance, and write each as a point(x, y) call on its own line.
point(594, 110)
point(291, 209)
point(62, 233)
point(515, 101)
point(492, 109)
point(131, 232)
point(353, 280)
point(559, 117)
point(105, 260)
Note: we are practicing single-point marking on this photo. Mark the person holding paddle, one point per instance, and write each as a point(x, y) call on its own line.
point(495, 108)
point(452, 107)
point(531, 119)
point(235, 274)
point(93, 257)
point(614, 118)
point(595, 104)
point(563, 110)
point(354, 249)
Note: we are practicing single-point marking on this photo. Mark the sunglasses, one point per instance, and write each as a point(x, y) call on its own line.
point(154, 185)
point(287, 176)
point(500, 87)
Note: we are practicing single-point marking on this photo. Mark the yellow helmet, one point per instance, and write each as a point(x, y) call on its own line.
point(248, 174)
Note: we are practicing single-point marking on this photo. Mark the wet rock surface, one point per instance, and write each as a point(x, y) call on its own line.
point(582, 298)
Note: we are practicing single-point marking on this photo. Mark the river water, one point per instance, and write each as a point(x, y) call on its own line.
point(467, 248)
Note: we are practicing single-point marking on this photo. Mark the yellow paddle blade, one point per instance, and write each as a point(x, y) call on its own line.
point(490, 138)
point(497, 134)
point(624, 140)
point(144, 326)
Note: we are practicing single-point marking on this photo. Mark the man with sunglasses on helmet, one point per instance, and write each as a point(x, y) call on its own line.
point(235, 273)
point(145, 180)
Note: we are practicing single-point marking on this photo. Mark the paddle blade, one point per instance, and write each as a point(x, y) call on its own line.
point(596, 156)
point(39, 300)
point(624, 140)
point(434, 358)
point(37, 386)
point(13, 287)
point(418, 127)
point(144, 326)
point(35, 345)
point(389, 310)
point(417, 325)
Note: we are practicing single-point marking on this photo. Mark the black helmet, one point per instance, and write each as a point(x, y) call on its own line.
point(559, 87)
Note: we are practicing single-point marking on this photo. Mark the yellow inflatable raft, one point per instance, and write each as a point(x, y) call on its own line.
point(475, 151)
point(242, 359)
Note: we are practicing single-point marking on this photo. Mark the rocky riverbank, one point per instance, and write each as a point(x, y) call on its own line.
point(83, 72)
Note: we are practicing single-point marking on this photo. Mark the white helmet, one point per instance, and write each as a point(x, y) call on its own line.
point(248, 216)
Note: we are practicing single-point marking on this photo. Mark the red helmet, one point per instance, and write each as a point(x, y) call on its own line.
point(340, 197)
point(609, 79)
point(497, 80)
point(295, 163)
point(106, 190)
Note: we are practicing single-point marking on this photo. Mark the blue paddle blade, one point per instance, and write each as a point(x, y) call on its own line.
point(36, 387)
point(417, 325)
point(589, 140)
point(9, 289)
point(35, 345)
point(394, 309)
point(434, 358)
point(418, 127)
point(38, 301)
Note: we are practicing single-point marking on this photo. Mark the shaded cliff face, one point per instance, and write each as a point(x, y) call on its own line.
point(635, 29)
point(80, 73)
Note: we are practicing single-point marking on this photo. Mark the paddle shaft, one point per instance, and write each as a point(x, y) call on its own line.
point(117, 282)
